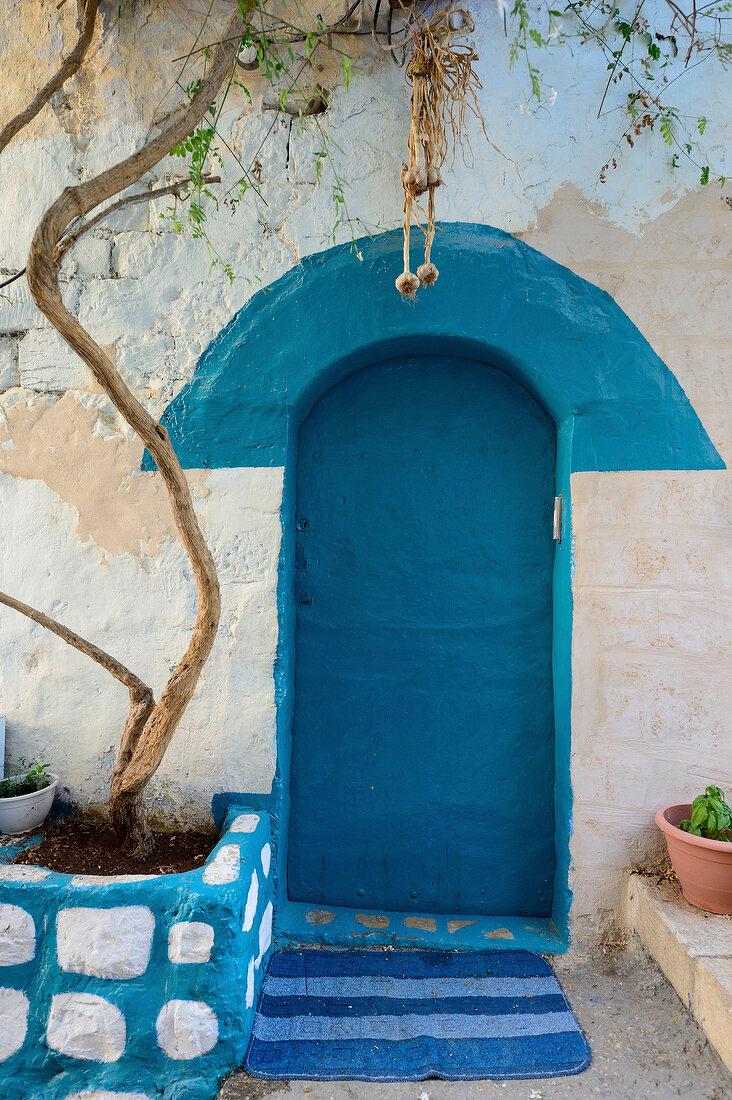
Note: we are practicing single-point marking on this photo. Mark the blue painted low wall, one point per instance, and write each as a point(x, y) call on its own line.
point(144, 985)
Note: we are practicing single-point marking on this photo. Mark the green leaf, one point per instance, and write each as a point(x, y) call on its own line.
point(666, 131)
point(701, 125)
point(711, 816)
point(704, 177)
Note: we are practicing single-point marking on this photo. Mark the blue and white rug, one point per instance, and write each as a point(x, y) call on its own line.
point(408, 1015)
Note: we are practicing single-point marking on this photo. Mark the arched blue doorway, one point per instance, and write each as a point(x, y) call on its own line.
point(423, 722)
point(615, 404)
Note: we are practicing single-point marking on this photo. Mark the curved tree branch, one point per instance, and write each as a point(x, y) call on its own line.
point(144, 196)
point(72, 238)
point(69, 67)
point(120, 672)
point(142, 699)
point(138, 761)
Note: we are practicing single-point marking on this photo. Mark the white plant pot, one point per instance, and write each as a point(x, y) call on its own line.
point(26, 812)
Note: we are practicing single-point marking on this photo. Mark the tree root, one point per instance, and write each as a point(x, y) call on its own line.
point(128, 819)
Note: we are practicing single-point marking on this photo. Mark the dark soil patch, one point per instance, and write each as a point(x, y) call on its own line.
point(92, 848)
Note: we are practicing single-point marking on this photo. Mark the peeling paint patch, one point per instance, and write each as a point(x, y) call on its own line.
point(319, 916)
point(372, 920)
point(456, 925)
point(424, 924)
point(57, 440)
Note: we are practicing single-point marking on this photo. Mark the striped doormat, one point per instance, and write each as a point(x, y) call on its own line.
point(408, 1015)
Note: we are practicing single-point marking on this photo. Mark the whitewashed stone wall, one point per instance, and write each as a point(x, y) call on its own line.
point(88, 537)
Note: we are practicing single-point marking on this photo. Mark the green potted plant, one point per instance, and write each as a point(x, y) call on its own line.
point(26, 798)
point(699, 839)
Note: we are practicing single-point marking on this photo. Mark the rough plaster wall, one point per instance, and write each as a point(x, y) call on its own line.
point(652, 645)
point(86, 536)
point(652, 633)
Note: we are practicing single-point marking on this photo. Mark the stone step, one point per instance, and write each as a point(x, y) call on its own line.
point(692, 948)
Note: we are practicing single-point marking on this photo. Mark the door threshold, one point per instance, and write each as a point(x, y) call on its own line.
point(300, 923)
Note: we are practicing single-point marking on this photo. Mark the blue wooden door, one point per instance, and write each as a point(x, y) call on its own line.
point(423, 733)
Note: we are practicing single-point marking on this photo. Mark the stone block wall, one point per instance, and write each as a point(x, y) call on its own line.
point(135, 983)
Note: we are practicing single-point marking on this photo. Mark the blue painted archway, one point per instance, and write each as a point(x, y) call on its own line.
point(497, 299)
point(615, 404)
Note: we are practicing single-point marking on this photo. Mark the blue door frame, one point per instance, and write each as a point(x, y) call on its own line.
point(615, 404)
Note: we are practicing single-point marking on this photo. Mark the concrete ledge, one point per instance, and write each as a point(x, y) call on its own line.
point(694, 951)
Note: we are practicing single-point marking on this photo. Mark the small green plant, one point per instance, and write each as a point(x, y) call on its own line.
point(35, 779)
point(711, 817)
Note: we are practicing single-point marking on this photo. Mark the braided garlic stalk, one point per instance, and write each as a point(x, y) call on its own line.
point(421, 175)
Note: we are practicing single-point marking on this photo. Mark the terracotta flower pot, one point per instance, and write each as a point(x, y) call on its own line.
point(704, 867)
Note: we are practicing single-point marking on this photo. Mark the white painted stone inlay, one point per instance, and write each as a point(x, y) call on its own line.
point(186, 1029)
point(266, 858)
point(250, 984)
point(265, 934)
point(23, 873)
point(17, 935)
point(244, 823)
point(251, 906)
point(224, 867)
point(14, 1016)
point(106, 943)
point(190, 941)
point(85, 1026)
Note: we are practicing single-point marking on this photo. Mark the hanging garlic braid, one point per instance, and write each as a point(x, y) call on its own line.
point(444, 84)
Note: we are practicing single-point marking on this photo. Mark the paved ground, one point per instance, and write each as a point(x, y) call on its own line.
point(645, 1046)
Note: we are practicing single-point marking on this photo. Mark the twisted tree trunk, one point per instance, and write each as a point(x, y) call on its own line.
point(146, 735)
point(87, 18)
